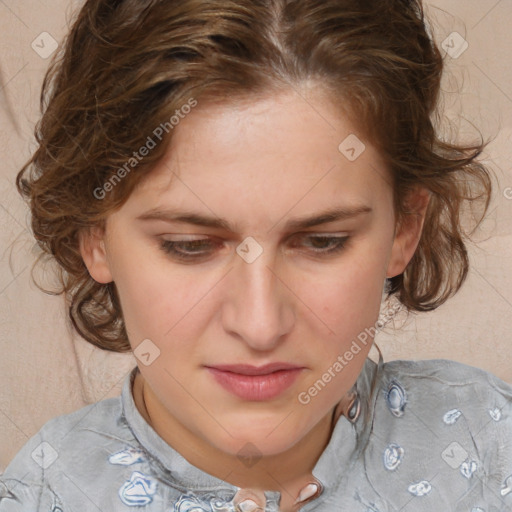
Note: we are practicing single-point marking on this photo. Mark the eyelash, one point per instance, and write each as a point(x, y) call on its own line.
point(169, 246)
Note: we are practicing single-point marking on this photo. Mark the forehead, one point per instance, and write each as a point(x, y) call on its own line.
point(274, 153)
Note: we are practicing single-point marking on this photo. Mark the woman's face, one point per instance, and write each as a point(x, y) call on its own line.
point(252, 281)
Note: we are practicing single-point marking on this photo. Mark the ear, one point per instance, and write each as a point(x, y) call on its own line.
point(92, 249)
point(408, 233)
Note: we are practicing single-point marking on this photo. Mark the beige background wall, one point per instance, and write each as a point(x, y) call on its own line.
point(46, 370)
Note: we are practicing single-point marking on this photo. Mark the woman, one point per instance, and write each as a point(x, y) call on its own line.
point(231, 188)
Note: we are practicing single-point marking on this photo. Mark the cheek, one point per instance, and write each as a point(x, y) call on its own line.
point(348, 298)
point(348, 307)
point(161, 301)
point(150, 298)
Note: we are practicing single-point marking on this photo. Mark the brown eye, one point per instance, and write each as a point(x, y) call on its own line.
point(187, 249)
point(322, 244)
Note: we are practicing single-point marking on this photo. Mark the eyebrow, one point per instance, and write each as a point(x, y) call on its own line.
point(187, 217)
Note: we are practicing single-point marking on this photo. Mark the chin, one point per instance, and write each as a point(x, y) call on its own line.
point(249, 449)
point(270, 438)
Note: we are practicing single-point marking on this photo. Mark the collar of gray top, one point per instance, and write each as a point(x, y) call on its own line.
point(350, 434)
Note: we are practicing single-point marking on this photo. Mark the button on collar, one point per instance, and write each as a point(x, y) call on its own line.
point(311, 490)
point(248, 505)
point(354, 410)
point(247, 500)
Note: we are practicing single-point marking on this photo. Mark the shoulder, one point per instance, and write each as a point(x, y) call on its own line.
point(81, 430)
point(443, 370)
point(74, 441)
point(438, 383)
point(439, 393)
point(442, 428)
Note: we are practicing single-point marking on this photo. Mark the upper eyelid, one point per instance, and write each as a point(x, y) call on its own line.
point(202, 236)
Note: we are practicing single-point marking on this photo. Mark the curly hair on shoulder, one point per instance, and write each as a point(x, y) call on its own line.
point(127, 67)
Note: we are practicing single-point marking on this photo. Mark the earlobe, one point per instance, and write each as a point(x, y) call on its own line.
point(92, 249)
point(409, 232)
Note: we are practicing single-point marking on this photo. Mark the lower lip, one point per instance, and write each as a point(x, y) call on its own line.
point(256, 387)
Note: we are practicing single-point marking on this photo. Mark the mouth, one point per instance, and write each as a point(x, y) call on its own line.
point(255, 383)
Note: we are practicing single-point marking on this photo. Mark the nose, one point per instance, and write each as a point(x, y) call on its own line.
point(259, 307)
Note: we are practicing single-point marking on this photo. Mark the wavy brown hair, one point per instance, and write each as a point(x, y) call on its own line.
point(126, 66)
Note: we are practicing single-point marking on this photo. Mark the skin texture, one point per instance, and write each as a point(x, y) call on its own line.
point(257, 165)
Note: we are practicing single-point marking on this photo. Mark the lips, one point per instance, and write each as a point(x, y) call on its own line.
point(255, 383)
point(247, 369)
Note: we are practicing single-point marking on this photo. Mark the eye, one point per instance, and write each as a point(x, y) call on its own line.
point(187, 250)
point(326, 244)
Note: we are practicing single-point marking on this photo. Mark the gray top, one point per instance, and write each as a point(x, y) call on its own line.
point(434, 435)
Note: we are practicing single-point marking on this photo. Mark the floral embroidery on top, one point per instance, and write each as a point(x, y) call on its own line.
point(507, 486)
point(420, 489)
point(451, 416)
point(139, 490)
point(467, 468)
point(393, 456)
point(495, 414)
point(396, 399)
point(127, 457)
point(191, 503)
